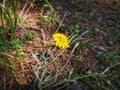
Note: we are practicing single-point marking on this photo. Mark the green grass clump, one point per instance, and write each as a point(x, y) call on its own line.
point(9, 23)
point(8, 39)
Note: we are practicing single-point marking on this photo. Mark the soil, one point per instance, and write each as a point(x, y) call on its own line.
point(106, 20)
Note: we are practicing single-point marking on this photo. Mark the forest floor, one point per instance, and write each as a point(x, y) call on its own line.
point(97, 67)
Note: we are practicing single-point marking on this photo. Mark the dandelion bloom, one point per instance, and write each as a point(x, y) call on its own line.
point(60, 40)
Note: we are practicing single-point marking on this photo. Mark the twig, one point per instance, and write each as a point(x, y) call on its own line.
point(108, 68)
point(61, 22)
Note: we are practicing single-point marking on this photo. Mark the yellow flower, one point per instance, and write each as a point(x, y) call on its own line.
point(60, 40)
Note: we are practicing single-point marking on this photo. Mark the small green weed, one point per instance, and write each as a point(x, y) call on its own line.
point(29, 35)
point(107, 58)
point(92, 13)
point(73, 28)
point(72, 1)
point(93, 31)
point(52, 18)
point(15, 43)
point(77, 16)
